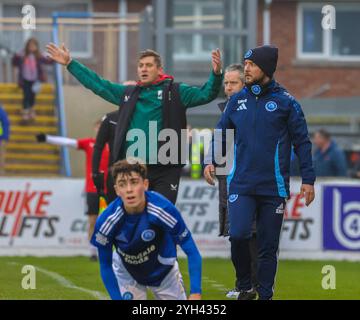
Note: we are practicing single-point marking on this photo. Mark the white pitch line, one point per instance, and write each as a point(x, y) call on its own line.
point(67, 283)
point(218, 286)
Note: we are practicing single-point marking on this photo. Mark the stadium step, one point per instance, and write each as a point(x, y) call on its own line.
point(11, 146)
point(32, 129)
point(35, 167)
point(14, 88)
point(16, 108)
point(18, 98)
point(39, 120)
point(31, 156)
point(24, 155)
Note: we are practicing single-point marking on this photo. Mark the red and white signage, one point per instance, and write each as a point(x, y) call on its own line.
point(44, 213)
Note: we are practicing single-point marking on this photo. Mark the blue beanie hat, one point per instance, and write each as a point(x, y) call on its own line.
point(265, 57)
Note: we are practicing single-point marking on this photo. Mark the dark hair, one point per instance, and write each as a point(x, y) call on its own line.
point(151, 53)
point(127, 166)
point(325, 134)
point(27, 45)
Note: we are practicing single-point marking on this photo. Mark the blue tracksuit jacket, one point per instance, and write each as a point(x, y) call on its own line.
point(267, 122)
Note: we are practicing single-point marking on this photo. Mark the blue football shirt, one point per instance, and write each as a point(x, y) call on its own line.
point(146, 241)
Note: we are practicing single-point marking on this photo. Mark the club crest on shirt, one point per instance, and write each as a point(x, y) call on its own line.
point(148, 235)
point(233, 197)
point(127, 295)
point(271, 106)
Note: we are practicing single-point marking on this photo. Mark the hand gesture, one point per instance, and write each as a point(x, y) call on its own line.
point(216, 61)
point(307, 191)
point(209, 174)
point(59, 55)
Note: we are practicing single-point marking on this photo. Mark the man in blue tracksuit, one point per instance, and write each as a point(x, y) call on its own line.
point(267, 122)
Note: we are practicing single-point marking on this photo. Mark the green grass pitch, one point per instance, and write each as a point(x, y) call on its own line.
point(76, 278)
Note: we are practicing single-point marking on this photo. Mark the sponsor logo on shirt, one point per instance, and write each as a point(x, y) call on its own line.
point(148, 235)
point(159, 94)
point(280, 209)
point(241, 105)
point(233, 197)
point(101, 239)
point(173, 187)
point(139, 258)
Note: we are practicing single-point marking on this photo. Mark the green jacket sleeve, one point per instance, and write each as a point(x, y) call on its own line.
point(194, 96)
point(106, 89)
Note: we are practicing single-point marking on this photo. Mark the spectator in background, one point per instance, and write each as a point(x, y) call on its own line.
point(92, 196)
point(355, 171)
point(329, 159)
point(30, 63)
point(233, 83)
point(4, 136)
point(105, 138)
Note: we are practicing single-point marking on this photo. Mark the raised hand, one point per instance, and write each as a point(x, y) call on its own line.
point(59, 55)
point(216, 61)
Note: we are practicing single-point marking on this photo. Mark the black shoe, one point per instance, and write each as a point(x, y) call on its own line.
point(247, 294)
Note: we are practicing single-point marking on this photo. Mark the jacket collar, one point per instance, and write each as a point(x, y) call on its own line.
point(259, 90)
point(161, 78)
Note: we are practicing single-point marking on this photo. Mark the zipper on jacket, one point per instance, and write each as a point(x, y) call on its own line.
point(254, 144)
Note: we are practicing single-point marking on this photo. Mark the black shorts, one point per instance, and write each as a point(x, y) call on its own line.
point(92, 202)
